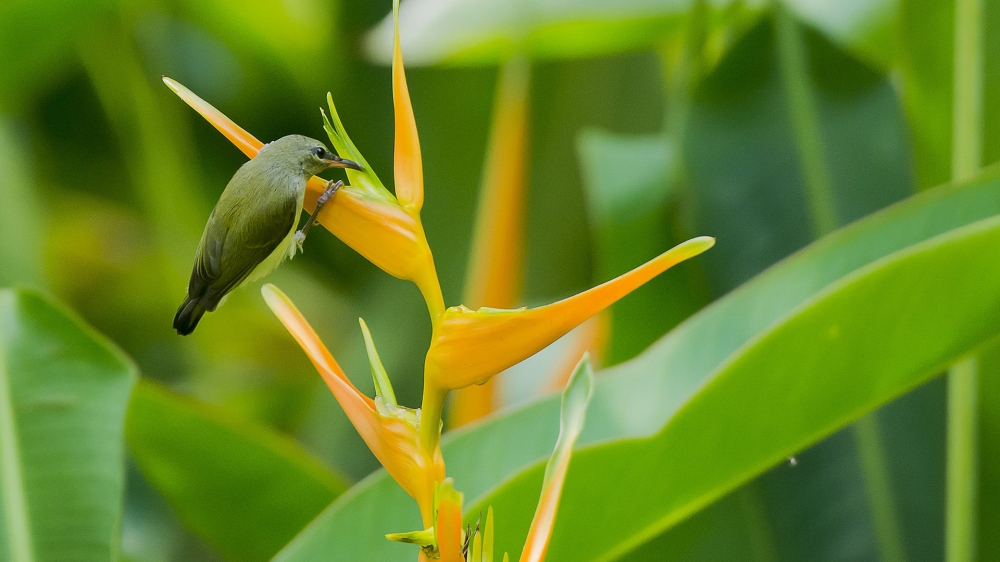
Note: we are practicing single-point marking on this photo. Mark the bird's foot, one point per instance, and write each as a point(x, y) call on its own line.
point(331, 189)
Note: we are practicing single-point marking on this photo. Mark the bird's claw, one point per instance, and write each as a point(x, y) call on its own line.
point(300, 237)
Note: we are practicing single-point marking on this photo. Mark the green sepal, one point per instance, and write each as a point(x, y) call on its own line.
point(365, 179)
point(383, 387)
point(420, 538)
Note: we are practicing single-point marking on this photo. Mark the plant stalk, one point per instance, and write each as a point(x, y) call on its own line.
point(962, 461)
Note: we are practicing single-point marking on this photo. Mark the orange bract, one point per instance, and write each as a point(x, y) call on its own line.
point(458, 354)
point(407, 164)
point(391, 436)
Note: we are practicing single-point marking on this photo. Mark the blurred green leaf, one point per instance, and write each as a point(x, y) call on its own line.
point(37, 43)
point(741, 152)
point(296, 34)
point(63, 392)
point(786, 315)
point(242, 487)
point(486, 32)
point(629, 181)
point(748, 174)
point(866, 28)
point(20, 214)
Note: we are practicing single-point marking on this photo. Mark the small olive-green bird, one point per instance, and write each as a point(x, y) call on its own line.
point(252, 228)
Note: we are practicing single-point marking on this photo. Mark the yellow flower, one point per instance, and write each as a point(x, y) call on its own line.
point(389, 430)
point(470, 346)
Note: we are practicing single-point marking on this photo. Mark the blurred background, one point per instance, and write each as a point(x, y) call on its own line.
point(648, 122)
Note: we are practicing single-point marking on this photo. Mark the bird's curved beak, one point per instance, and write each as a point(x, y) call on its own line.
point(338, 162)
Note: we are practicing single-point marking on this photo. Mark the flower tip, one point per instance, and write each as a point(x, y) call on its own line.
point(700, 244)
point(274, 298)
point(171, 83)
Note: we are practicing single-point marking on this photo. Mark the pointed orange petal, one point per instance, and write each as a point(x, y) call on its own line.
point(456, 358)
point(351, 399)
point(384, 234)
point(408, 167)
point(575, 399)
point(242, 139)
point(392, 440)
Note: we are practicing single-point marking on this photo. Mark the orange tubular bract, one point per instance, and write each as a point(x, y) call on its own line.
point(457, 356)
point(393, 439)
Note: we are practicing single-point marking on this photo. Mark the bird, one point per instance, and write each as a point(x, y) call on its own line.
point(251, 230)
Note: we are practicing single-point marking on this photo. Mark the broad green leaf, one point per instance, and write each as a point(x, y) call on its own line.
point(63, 393)
point(839, 354)
point(629, 181)
point(746, 118)
point(636, 399)
point(242, 487)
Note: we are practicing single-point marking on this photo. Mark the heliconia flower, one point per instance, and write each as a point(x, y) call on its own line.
point(389, 430)
point(384, 228)
point(445, 541)
point(470, 346)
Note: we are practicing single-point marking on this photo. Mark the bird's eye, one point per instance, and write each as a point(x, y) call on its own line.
point(319, 152)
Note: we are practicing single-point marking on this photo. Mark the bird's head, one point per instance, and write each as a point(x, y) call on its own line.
point(310, 154)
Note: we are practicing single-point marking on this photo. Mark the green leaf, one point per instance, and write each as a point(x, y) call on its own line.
point(242, 487)
point(20, 232)
point(839, 354)
point(755, 149)
point(287, 33)
point(485, 32)
point(63, 393)
point(751, 346)
point(743, 157)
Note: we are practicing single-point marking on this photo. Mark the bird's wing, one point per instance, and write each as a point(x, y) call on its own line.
point(231, 249)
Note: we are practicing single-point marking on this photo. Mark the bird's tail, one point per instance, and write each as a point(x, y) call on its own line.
point(188, 315)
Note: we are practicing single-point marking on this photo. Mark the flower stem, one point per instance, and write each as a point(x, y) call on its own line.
point(962, 450)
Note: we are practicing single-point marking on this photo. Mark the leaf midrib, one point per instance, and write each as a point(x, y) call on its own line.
point(15, 509)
